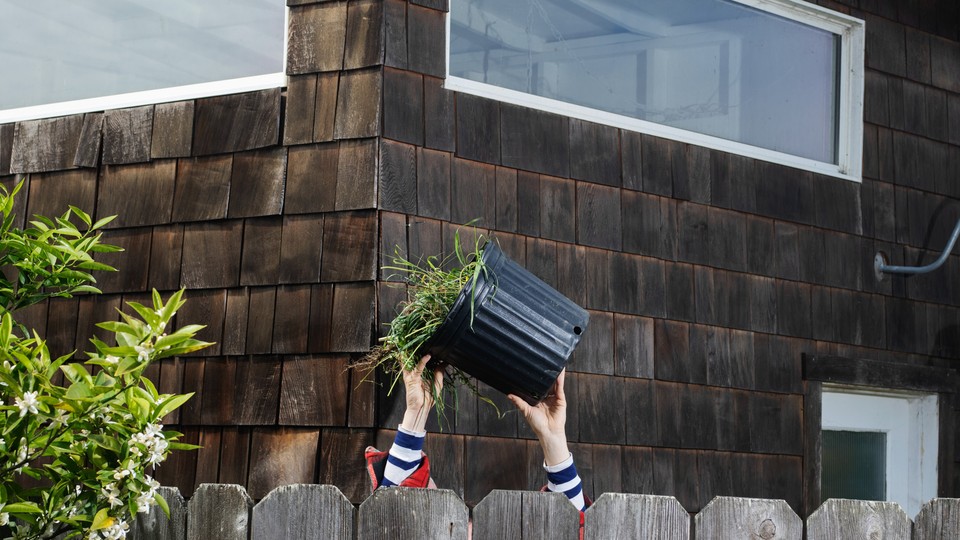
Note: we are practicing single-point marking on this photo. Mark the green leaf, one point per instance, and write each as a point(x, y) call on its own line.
point(101, 521)
point(162, 503)
point(170, 404)
point(22, 508)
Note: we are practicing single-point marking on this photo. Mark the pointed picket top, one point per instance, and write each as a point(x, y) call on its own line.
point(155, 525)
point(524, 515)
point(623, 515)
point(938, 519)
point(219, 511)
point(409, 513)
point(841, 519)
point(303, 512)
point(736, 517)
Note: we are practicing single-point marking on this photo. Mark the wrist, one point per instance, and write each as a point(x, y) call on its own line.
point(555, 449)
point(415, 419)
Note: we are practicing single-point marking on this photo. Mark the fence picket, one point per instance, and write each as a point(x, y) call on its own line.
point(155, 525)
point(938, 519)
point(421, 514)
point(648, 517)
point(735, 517)
point(220, 511)
point(525, 515)
point(841, 519)
point(303, 512)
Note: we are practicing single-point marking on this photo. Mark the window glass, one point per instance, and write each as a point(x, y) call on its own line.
point(854, 465)
point(64, 50)
point(715, 67)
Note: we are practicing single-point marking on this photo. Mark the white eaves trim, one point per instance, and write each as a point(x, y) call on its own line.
point(850, 122)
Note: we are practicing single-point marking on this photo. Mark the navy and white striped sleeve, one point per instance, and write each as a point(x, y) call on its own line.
point(563, 478)
point(404, 457)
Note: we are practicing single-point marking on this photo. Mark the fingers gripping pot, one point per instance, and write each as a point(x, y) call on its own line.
point(522, 334)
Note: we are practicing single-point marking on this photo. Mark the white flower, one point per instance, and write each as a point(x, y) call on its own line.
point(153, 430)
point(143, 352)
point(112, 493)
point(4, 518)
point(116, 531)
point(144, 501)
point(3, 443)
point(152, 482)
point(61, 418)
point(111, 359)
point(27, 404)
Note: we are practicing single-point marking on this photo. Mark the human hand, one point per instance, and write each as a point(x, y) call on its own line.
point(419, 395)
point(548, 419)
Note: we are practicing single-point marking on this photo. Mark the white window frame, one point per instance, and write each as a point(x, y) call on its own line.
point(911, 422)
point(159, 95)
point(850, 123)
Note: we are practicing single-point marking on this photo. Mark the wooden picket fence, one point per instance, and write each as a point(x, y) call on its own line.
point(300, 512)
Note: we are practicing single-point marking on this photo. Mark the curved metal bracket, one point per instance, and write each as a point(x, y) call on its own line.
point(880, 265)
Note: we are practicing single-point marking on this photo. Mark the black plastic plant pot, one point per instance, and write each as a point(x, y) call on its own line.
point(522, 334)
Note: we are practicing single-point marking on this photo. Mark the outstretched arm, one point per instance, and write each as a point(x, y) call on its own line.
point(548, 421)
point(405, 455)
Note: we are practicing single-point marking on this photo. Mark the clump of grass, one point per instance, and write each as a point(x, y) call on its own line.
point(433, 285)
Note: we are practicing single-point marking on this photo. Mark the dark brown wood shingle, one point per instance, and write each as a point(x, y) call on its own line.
point(311, 179)
point(261, 313)
point(256, 186)
point(478, 127)
point(235, 322)
point(45, 145)
point(140, 194)
point(349, 247)
point(6, 147)
point(438, 107)
point(202, 188)
point(433, 184)
point(325, 115)
point(299, 109)
point(172, 130)
point(91, 139)
point(403, 106)
point(206, 307)
point(281, 456)
point(353, 308)
point(236, 122)
point(50, 194)
point(292, 319)
point(133, 262)
point(398, 177)
point(316, 37)
point(358, 104)
point(127, 134)
point(260, 258)
point(314, 391)
point(426, 43)
point(534, 140)
point(166, 251)
point(558, 208)
point(472, 193)
point(594, 152)
point(357, 175)
point(301, 249)
point(365, 34)
point(395, 33)
point(211, 254)
point(598, 216)
point(336, 443)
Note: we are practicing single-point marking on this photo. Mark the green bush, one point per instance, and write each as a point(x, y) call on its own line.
point(76, 456)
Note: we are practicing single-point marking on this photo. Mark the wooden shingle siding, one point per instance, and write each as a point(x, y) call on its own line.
point(358, 104)
point(311, 183)
point(398, 177)
point(301, 249)
point(261, 252)
point(45, 145)
point(256, 183)
point(282, 456)
point(299, 109)
point(127, 135)
point(403, 106)
point(166, 248)
point(357, 175)
point(49, 194)
point(364, 39)
point(316, 37)
point(140, 194)
point(172, 130)
point(133, 264)
point(202, 188)
point(292, 319)
point(535, 140)
point(6, 147)
point(211, 254)
point(91, 141)
point(395, 33)
point(237, 122)
point(426, 43)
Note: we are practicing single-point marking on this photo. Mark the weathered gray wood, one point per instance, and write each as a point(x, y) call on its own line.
point(938, 519)
point(525, 515)
point(301, 512)
point(91, 138)
point(172, 130)
point(127, 134)
point(219, 511)
point(358, 104)
point(155, 525)
point(316, 38)
point(400, 513)
point(734, 517)
point(45, 145)
point(840, 519)
point(621, 515)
